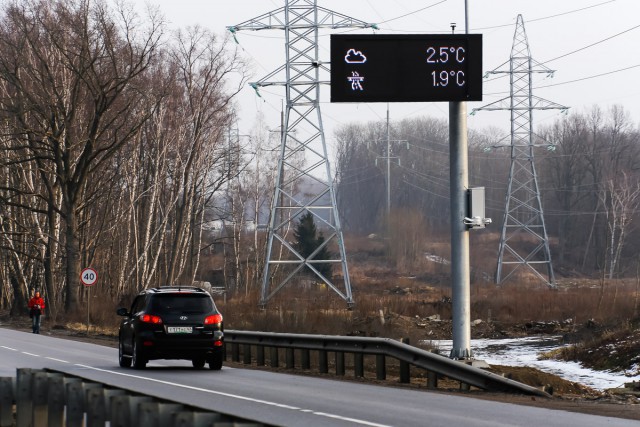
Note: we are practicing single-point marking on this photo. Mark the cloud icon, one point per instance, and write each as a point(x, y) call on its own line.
point(355, 57)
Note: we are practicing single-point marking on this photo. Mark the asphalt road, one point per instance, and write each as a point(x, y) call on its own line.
point(277, 398)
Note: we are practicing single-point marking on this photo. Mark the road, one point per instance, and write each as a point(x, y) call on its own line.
point(277, 398)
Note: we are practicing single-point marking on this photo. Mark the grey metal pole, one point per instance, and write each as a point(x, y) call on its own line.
point(459, 182)
point(388, 170)
point(88, 306)
point(466, 16)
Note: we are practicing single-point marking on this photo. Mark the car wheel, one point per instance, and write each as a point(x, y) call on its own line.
point(198, 362)
point(137, 358)
point(215, 361)
point(125, 361)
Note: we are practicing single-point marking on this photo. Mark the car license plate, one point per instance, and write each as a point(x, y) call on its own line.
point(179, 329)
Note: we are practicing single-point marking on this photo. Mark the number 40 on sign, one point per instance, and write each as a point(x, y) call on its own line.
point(89, 277)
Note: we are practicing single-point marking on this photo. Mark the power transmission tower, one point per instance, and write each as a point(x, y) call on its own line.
point(388, 157)
point(523, 216)
point(303, 135)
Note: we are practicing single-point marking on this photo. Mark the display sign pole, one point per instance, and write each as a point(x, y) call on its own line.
point(460, 277)
point(460, 270)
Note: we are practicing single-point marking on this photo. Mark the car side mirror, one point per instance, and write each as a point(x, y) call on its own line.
point(122, 311)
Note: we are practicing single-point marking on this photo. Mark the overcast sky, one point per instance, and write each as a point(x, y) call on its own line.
point(587, 42)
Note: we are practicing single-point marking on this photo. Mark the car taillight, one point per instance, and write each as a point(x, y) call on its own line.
point(150, 318)
point(212, 320)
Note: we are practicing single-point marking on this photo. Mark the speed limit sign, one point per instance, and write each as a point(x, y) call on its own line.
point(89, 277)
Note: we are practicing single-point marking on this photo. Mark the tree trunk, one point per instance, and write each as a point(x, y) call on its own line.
point(72, 246)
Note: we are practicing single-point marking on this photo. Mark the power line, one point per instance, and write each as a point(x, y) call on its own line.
point(431, 178)
point(590, 77)
point(345, 182)
point(554, 212)
point(425, 190)
point(414, 12)
point(594, 44)
point(573, 81)
point(575, 51)
point(545, 17)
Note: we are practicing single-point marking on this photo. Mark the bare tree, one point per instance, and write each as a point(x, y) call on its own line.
point(566, 168)
point(621, 198)
point(249, 197)
point(203, 72)
point(359, 182)
point(70, 72)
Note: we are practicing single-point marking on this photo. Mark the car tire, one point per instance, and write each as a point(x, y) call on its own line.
point(198, 362)
point(124, 360)
point(138, 360)
point(215, 361)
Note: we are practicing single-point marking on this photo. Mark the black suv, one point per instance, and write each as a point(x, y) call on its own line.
point(171, 323)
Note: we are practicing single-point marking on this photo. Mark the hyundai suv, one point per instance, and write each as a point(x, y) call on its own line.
point(171, 323)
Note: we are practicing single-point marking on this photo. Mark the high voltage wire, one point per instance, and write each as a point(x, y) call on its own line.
point(554, 212)
point(553, 59)
point(572, 81)
point(484, 178)
point(431, 150)
point(576, 51)
point(594, 44)
point(425, 190)
point(545, 17)
point(358, 181)
point(413, 13)
point(431, 178)
point(504, 25)
point(590, 77)
point(555, 155)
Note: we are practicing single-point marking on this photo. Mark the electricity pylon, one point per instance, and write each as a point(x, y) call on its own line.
point(302, 136)
point(523, 216)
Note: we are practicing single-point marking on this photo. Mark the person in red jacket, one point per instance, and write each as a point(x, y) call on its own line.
point(36, 310)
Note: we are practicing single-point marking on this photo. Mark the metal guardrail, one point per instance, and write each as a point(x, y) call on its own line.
point(55, 399)
point(435, 364)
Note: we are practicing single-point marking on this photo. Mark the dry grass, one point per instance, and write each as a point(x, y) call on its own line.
point(615, 348)
point(319, 310)
point(93, 329)
point(392, 296)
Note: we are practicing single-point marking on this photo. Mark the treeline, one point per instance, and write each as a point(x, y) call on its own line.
point(118, 151)
point(114, 148)
point(588, 167)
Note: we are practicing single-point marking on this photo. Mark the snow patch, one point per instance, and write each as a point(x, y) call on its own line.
point(524, 352)
point(436, 258)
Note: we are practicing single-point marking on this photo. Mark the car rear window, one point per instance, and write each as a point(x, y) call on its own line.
point(185, 303)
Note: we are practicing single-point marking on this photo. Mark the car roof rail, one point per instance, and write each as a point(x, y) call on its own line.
point(179, 288)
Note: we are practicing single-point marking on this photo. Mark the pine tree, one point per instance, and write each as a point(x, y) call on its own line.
point(308, 239)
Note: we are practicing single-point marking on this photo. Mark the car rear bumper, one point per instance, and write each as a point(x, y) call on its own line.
point(156, 345)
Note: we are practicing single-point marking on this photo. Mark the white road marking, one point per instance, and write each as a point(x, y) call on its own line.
point(235, 396)
point(8, 348)
point(56, 360)
point(30, 354)
point(353, 420)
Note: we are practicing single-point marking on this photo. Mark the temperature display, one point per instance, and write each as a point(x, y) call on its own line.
point(406, 68)
point(442, 78)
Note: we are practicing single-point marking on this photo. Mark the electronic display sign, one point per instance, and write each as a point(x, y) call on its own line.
point(406, 68)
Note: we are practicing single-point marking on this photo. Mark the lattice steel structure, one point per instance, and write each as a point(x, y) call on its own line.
point(303, 150)
point(523, 222)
